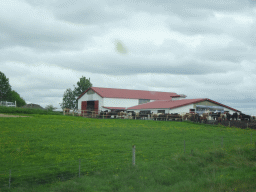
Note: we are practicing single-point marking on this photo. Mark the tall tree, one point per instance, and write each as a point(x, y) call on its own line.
point(70, 97)
point(16, 97)
point(82, 85)
point(69, 100)
point(5, 87)
point(50, 108)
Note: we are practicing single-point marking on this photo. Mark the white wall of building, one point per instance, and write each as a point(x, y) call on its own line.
point(116, 102)
point(90, 97)
point(181, 110)
point(230, 111)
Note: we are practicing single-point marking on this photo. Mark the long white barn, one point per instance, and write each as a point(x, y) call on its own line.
point(97, 98)
point(101, 99)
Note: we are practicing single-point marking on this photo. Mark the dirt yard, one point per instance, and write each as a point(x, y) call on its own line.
point(7, 115)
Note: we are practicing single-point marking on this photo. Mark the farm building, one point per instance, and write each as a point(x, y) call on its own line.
point(182, 106)
point(101, 99)
point(97, 98)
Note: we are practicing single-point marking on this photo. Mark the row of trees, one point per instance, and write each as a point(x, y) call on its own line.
point(70, 96)
point(6, 92)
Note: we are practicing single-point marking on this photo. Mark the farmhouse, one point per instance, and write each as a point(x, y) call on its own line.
point(101, 99)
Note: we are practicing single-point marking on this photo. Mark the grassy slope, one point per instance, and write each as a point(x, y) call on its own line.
point(48, 146)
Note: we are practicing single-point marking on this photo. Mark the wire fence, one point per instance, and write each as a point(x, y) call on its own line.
point(20, 175)
point(97, 114)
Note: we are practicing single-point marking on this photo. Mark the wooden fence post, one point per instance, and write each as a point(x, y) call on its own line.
point(79, 167)
point(133, 155)
point(184, 146)
point(10, 178)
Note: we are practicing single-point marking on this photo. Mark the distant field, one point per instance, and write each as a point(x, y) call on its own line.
point(45, 147)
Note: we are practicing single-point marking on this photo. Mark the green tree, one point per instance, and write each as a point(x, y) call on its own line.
point(70, 97)
point(69, 100)
point(16, 97)
point(82, 85)
point(5, 87)
point(50, 108)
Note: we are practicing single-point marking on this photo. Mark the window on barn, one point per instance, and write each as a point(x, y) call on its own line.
point(160, 111)
point(90, 92)
point(145, 112)
point(141, 101)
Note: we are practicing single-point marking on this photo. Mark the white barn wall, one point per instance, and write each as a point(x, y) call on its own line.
point(90, 97)
point(230, 111)
point(116, 102)
point(183, 109)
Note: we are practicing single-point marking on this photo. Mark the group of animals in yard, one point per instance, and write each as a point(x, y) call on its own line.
point(175, 116)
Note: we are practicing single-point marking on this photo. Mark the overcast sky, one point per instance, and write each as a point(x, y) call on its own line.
point(200, 48)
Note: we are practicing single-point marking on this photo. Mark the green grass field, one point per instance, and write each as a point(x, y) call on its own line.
point(43, 151)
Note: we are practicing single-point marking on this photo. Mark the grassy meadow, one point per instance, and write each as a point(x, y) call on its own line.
point(43, 153)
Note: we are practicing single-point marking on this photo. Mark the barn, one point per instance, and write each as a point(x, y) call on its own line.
point(102, 99)
point(182, 106)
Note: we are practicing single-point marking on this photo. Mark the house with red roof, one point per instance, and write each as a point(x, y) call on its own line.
point(101, 99)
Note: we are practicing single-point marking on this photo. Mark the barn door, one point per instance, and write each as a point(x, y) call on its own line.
point(96, 106)
point(84, 107)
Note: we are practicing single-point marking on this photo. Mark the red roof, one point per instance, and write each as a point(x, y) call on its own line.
point(131, 94)
point(169, 104)
point(120, 108)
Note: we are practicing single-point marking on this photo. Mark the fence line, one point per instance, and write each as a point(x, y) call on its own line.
point(8, 104)
point(169, 117)
point(77, 168)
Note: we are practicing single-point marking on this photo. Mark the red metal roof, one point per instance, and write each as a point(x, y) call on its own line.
point(121, 108)
point(131, 94)
point(169, 104)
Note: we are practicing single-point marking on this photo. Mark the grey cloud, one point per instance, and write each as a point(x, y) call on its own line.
point(234, 52)
point(36, 28)
point(105, 64)
point(83, 12)
point(187, 8)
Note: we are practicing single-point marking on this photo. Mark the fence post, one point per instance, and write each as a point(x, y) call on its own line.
point(133, 155)
point(10, 178)
point(184, 146)
point(191, 152)
point(79, 167)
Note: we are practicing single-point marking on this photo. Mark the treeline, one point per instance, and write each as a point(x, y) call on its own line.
point(15, 110)
point(7, 94)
